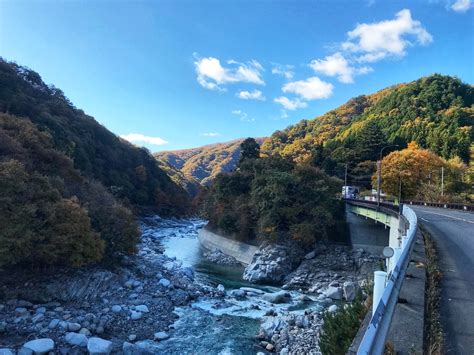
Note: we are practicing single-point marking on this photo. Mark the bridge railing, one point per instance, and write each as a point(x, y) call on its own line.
point(375, 336)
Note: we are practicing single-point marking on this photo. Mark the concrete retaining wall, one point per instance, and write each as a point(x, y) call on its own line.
point(241, 251)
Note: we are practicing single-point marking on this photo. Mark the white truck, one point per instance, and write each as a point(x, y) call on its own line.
point(350, 192)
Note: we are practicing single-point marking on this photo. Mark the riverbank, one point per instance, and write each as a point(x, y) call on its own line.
point(69, 309)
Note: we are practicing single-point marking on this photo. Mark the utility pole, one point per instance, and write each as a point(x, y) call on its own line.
point(442, 181)
point(379, 180)
point(345, 183)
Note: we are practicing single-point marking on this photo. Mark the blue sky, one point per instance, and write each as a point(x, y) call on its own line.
point(180, 74)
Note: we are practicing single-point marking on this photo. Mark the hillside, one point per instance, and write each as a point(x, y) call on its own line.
point(129, 172)
point(436, 111)
point(204, 163)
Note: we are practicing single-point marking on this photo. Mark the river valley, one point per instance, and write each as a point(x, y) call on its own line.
point(210, 325)
point(170, 299)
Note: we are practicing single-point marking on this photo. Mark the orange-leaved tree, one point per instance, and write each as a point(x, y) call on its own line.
point(409, 169)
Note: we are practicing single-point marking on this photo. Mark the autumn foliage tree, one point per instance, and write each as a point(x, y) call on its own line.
point(416, 173)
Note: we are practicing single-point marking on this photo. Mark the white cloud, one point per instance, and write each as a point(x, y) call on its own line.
point(389, 38)
point(211, 134)
point(243, 116)
point(310, 89)
point(212, 75)
point(461, 5)
point(284, 70)
point(254, 95)
point(337, 65)
point(137, 137)
point(290, 104)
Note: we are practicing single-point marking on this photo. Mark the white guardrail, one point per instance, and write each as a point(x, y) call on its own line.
point(374, 338)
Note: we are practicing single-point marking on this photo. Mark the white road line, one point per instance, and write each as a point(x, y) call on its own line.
point(424, 219)
point(445, 215)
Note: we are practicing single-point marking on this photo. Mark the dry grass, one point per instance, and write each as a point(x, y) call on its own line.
point(434, 340)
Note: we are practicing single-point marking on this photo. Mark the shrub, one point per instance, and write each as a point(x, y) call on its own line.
point(339, 328)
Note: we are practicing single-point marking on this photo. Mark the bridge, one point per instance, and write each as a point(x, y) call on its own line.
point(453, 232)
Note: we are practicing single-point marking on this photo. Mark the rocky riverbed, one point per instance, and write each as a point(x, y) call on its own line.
point(172, 299)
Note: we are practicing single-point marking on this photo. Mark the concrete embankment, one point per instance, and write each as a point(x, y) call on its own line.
point(240, 251)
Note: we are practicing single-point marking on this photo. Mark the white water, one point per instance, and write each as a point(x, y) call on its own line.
point(213, 325)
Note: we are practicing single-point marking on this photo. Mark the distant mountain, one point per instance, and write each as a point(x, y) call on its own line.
point(204, 163)
point(435, 111)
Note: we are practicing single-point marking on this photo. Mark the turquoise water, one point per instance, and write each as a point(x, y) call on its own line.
point(213, 325)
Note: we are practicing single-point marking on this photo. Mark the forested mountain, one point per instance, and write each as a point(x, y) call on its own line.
point(131, 173)
point(436, 112)
point(66, 182)
point(204, 163)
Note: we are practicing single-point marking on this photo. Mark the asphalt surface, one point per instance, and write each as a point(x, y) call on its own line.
point(453, 232)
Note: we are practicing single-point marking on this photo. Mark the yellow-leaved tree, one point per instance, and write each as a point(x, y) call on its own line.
point(409, 169)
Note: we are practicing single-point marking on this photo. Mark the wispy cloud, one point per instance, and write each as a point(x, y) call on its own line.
point(244, 117)
point(140, 138)
point(337, 65)
point(283, 70)
point(461, 5)
point(210, 134)
point(212, 75)
point(290, 104)
point(251, 95)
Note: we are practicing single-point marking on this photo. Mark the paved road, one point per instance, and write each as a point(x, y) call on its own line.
point(453, 232)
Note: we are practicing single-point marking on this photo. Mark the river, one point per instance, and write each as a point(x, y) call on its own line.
point(213, 325)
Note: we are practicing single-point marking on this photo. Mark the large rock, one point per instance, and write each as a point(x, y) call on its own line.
point(5, 351)
point(272, 263)
point(142, 308)
point(237, 293)
point(164, 282)
point(277, 297)
point(334, 293)
point(349, 290)
point(99, 346)
point(76, 339)
point(161, 336)
point(40, 346)
point(270, 326)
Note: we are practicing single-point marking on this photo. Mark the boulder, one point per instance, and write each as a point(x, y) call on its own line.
point(270, 326)
point(54, 323)
point(5, 351)
point(272, 263)
point(237, 293)
point(277, 297)
point(310, 255)
point(161, 336)
point(40, 346)
point(73, 327)
point(21, 312)
point(76, 339)
point(334, 293)
point(349, 290)
point(164, 282)
point(220, 288)
point(136, 315)
point(332, 308)
point(116, 308)
point(142, 308)
point(99, 346)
